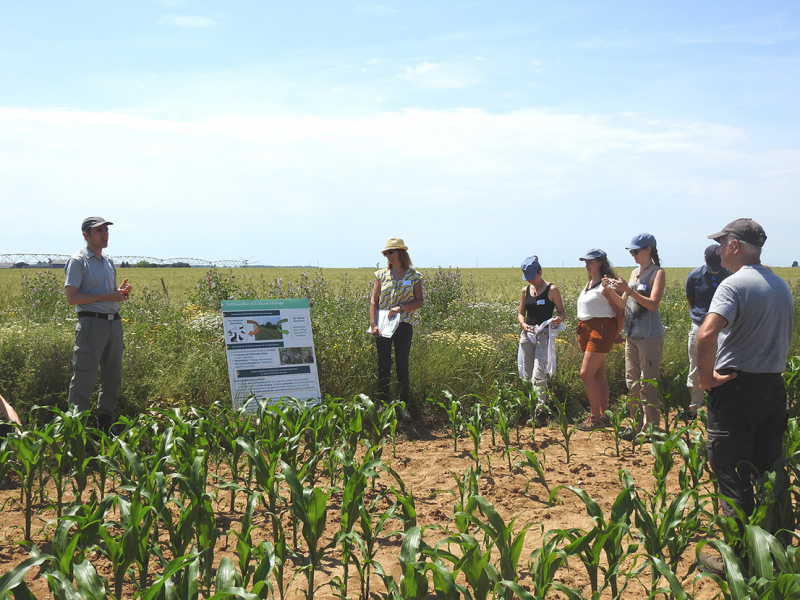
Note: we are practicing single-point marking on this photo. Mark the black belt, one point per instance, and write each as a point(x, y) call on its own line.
point(97, 315)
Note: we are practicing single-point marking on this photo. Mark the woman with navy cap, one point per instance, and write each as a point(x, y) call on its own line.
point(644, 331)
point(539, 299)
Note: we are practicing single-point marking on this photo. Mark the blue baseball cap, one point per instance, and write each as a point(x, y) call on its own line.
point(530, 267)
point(642, 240)
point(593, 254)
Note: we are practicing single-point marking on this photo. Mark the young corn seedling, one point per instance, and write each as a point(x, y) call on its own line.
point(452, 409)
point(536, 461)
point(30, 450)
point(561, 416)
point(475, 428)
point(501, 536)
point(310, 506)
point(474, 563)
point(228, 426)
point(355, 485)
point(544, 563)
point(413, 579)
point(607, 537)
point(617, 424)
point(505, 419)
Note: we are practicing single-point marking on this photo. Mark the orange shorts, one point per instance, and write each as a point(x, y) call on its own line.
point(598, 334)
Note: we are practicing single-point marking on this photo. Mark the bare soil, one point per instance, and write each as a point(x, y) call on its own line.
point(425, 461)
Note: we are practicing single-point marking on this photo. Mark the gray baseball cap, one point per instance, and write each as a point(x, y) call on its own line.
point(90, 222)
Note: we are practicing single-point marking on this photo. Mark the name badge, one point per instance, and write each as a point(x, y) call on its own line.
point(406, 283)
point(641, 287)
point(540, 302)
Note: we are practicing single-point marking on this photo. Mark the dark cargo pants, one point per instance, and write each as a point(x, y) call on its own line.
point(746, 420)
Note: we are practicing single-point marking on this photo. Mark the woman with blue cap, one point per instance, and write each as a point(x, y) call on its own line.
point(539, 299)
point(644, 332)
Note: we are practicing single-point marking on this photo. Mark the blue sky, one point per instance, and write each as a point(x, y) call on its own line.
point(481, 133)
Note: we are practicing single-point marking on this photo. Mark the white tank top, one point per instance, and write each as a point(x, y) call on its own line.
point(592, 304)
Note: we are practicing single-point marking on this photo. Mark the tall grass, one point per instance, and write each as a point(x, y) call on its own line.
point(465, 336)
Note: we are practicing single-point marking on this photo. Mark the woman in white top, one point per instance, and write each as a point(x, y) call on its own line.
point(599, 324)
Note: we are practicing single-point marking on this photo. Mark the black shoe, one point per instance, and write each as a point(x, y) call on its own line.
point(104, 423)
point(712, 564)
point(402, 414)
point(540, 418)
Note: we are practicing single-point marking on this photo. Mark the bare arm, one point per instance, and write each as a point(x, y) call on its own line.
point(657, 290)
point(373, 308)
point(555, 298)
point(417, 302)
point(75, 296)
point(521, 312)
point(707, 335)
point(8, 413)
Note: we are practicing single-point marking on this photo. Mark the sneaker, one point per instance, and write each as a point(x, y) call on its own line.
point(627, 434)
point(712, 564)
point(591, 423)
point(541, 416)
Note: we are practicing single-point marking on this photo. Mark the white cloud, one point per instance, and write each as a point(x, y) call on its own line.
point(269, 185)
point(374, 9)
point(187, 21)
point(440, 76)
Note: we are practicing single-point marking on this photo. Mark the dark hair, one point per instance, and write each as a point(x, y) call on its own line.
point(404, 260)
point(654, 256)
point(606, 270)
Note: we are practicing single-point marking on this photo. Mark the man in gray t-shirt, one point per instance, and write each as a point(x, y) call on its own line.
point(742, 346)
point(90, 285)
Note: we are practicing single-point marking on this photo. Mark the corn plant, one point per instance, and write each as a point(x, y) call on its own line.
point(371, 527)
point(61, 433)
point(607, 537)
point(70, 545)
point(354, 488)
point(465, 505)
point(413, 579)
point(403, 499)
point(500, 535)
point(535, 460)
point(544, 563)
point(770, 571)
point(13, 581)
point(264, 458)
point(666, 530)
point(695, 460)
point(30, 450)
point(228, 426)
point(383, 424)
point(473, 562)
point(200, 513)
point(475, 427)
point(452, 409)
point(562, 418)
point(617, 423)
point(310, 506)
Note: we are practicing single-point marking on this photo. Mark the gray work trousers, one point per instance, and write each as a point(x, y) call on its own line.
point(98, 344)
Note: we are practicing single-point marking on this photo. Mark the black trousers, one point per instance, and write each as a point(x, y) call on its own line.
point(402, 349)
point(746, 420)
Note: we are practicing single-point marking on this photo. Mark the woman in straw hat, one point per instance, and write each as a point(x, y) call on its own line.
point(397, 290)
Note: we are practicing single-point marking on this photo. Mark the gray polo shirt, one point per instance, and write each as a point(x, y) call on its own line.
point(759, 308)
point(92, 275)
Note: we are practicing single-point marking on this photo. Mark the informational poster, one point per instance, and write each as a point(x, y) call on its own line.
point(270, 350)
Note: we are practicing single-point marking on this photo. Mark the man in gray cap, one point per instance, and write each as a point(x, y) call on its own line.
point(91, 286)
point(742, 347)
point(700, 286)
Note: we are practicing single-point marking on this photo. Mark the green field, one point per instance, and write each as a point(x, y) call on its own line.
point(497, 284)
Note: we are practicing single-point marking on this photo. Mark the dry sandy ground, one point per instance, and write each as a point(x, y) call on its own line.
point(425, 460)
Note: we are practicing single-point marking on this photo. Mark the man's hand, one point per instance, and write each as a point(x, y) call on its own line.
point(707, 336)
point(124, 291)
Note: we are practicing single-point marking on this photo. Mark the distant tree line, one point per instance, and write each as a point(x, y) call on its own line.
point(146, 264)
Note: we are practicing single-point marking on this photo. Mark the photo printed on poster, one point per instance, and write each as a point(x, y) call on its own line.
point(270, 350)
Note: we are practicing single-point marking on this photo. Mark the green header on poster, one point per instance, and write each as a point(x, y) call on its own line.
point(262, 304)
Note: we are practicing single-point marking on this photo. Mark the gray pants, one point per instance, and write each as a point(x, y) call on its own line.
point(98, 344)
